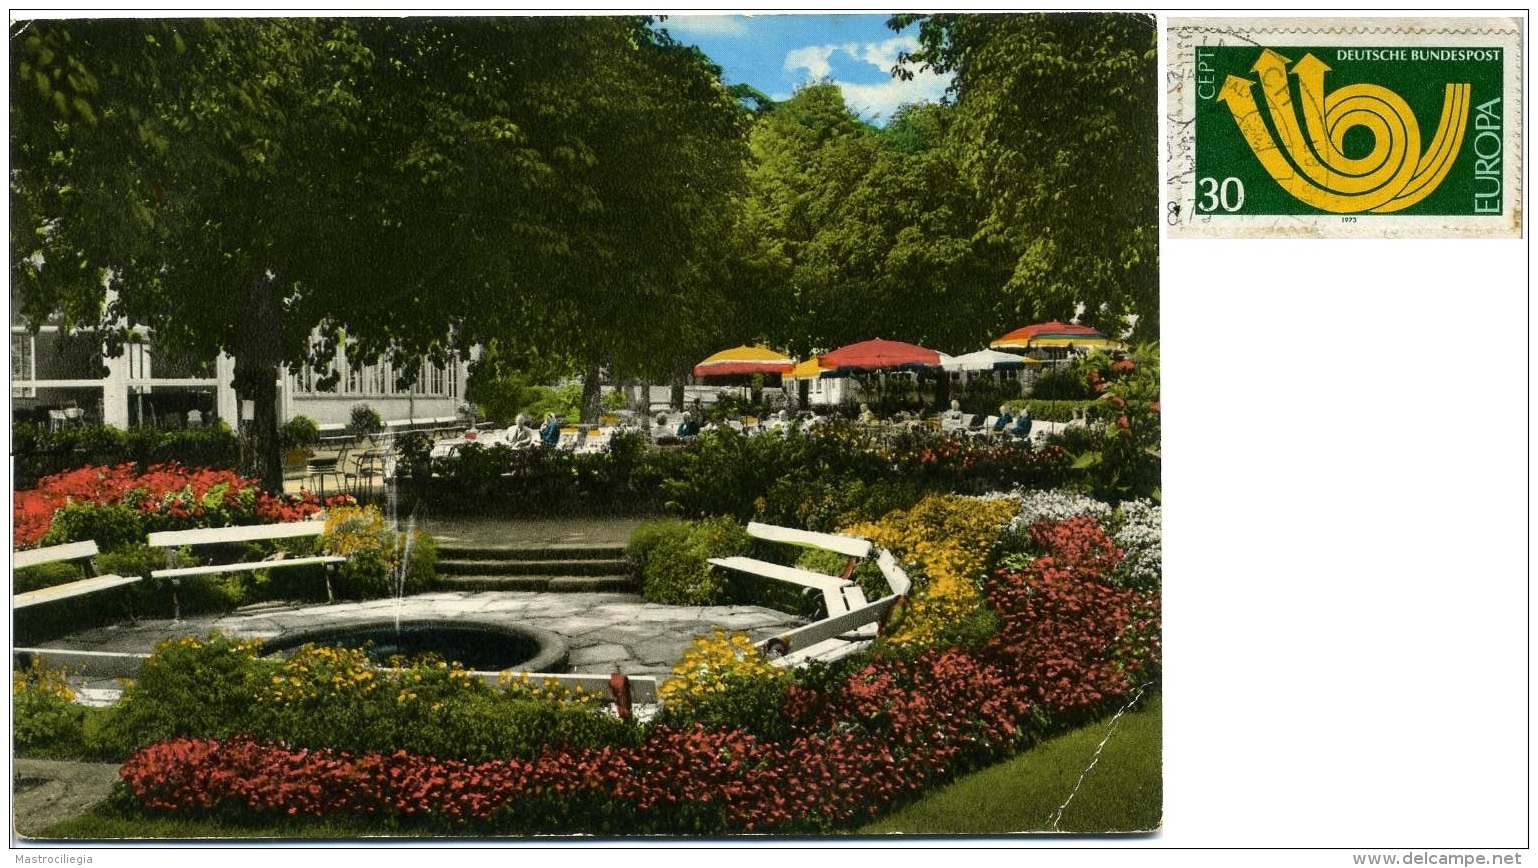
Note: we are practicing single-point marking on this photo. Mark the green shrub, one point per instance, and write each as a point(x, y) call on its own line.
point(112, 526)
point(326, 696)
point(565, 402)
point(364, 420)
point(669, 560)
point(218, 593)
point(187, 686)
point(298, 432)
point(1043, 410)
point(44, 717)
point(1063, 384)
point(135, 560)
point(45, 576)
point(647, 538)
point(723, 682)
point(40, 452)
point(375, 553)
point(747, 702)
point(413, 452)
point(482, 727)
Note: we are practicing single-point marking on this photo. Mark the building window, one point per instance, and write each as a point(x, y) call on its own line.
point(378, 380)
point(23, 364)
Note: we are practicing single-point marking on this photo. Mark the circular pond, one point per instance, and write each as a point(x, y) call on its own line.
point(475, 645)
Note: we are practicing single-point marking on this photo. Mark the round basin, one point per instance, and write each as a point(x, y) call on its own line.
point(475, 645)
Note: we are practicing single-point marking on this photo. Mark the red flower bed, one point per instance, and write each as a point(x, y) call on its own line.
point(1076, 638)
point(166, 497)
point(1070, 641)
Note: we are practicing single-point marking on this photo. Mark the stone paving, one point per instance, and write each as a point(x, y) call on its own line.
point(603, 630)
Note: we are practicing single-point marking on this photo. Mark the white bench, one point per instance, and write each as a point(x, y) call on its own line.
point(839, 593)
point(840, 635)
point(570, 439)
point(68, 552)
point(597, 440)
point(171, 540)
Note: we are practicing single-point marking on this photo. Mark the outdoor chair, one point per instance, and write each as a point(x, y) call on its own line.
point(367, 466)
point(324, 464)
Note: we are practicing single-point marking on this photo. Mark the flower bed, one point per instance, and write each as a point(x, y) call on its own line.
point(1071, 642)
point(166, 497)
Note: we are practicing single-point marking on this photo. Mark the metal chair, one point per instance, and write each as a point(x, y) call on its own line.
point(324, 464)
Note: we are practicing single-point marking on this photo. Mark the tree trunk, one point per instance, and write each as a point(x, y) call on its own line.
point(592, 394)
point(680, 370)
point(256, 380)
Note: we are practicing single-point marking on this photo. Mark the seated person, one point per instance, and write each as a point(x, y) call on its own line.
point(1021, 427)
point(1004, 418)
point(952, 418)
point(521, 434)
point(550, 432)
point(866, 416)
point(689, 427)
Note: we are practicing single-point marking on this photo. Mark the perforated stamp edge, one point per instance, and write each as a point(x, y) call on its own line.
point(1185, 35)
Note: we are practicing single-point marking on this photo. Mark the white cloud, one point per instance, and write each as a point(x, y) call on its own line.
point(877, 100)
point(812, 58)
point(881, 101)
point(706, 25)
point(883, 55)
point(817, 59)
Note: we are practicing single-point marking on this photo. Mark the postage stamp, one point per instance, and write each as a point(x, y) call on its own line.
point(1341, 127)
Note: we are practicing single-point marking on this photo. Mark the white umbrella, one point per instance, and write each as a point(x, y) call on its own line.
point(984, 360)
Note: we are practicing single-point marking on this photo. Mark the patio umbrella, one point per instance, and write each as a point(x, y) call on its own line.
point(880, 355)
point(1055, 334)
point(744, 360)
point(810, 369)
point(987, 360)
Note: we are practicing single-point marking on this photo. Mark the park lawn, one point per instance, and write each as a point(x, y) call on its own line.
point(1123, 793)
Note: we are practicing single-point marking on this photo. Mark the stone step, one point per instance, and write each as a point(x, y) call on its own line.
point(562, 583)
point(487, 567)
point(556, 552)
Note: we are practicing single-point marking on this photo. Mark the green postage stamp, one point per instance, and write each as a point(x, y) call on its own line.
point(1345, 127)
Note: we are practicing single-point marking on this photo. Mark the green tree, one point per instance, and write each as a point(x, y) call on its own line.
point(276, 188)
point(1058, 115)
point(867, 233)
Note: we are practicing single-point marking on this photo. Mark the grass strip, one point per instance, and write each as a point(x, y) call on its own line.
point(1122, 793)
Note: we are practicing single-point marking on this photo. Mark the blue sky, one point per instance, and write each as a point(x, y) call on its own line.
point(776, 53)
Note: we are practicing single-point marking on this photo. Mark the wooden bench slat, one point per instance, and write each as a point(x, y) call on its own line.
point(794, 575)
point(66, 552)
point(838, 625)
point(212, 569)
point(896, 576)
point(826, 651)
point(70, 589)
point(854, 547)
point(243, 533)
point(854, 598)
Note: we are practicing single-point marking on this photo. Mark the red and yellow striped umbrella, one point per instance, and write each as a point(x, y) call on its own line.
point(742, 360)
point(1055, 334)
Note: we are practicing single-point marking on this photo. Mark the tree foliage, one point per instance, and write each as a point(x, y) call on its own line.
point(276, 188)
point(860, 232)
point(1057, 114)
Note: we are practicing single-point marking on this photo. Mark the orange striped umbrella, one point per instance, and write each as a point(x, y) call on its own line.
point(744, 360)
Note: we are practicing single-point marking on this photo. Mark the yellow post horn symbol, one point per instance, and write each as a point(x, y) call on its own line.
point(1309, 161)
